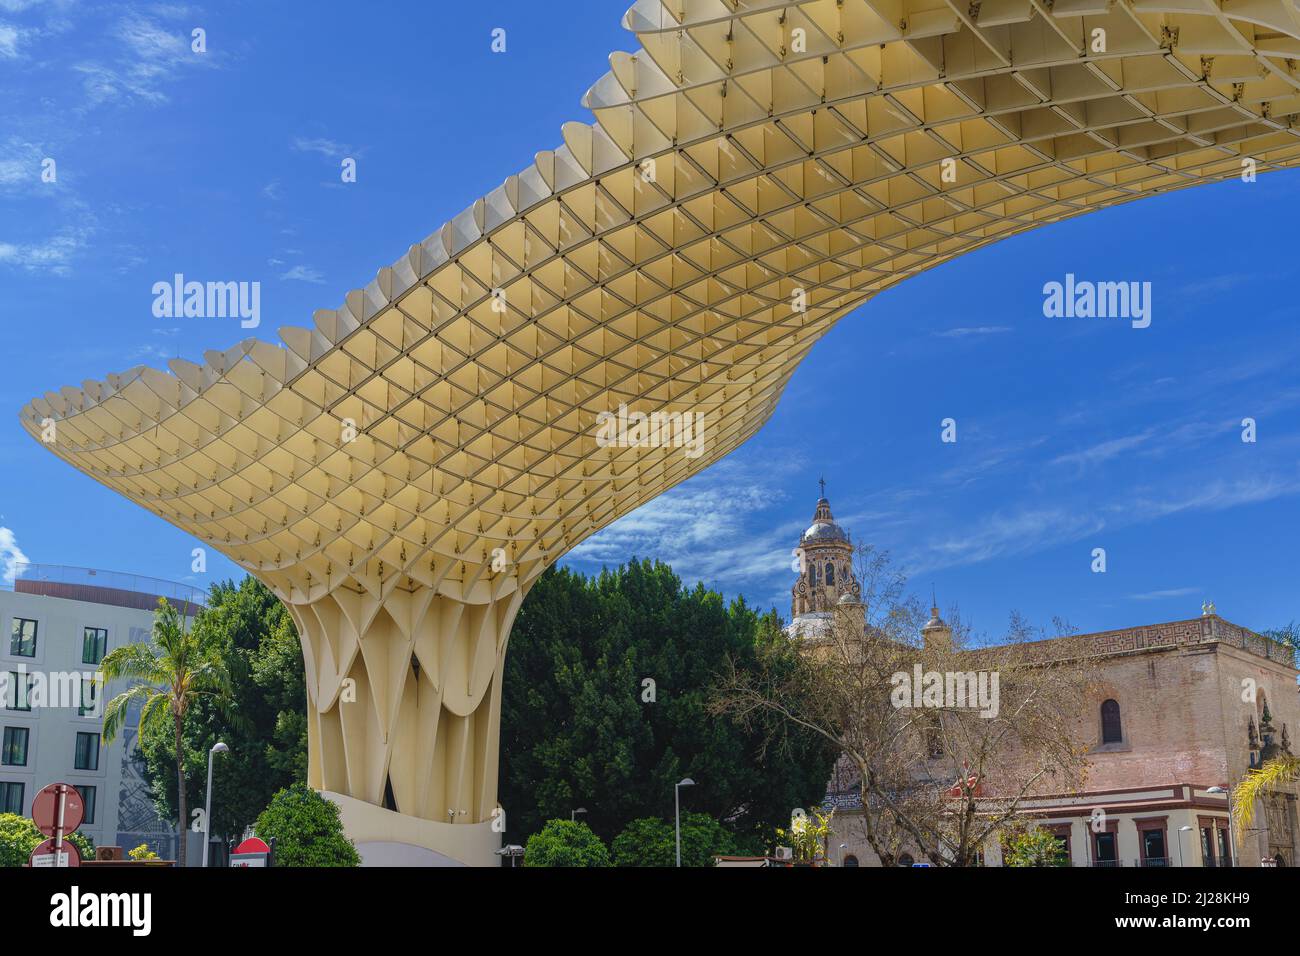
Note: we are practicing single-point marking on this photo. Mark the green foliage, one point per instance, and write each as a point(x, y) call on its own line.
point(142, 852)
point(306, 830)
point(264, 723)
point(653, 842)
point(807, 837)
point(1033, 846)
point(576, 732)
point(565, 843)
point(169, 676)
point(19, 837)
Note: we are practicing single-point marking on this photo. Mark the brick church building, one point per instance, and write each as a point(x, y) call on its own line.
point(1168, 732)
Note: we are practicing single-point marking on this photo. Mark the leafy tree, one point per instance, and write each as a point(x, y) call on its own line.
point(264, 723)
point(19, 836)
point(306, 829)
point(1033, 846)
point(168, 674)
point(653, 842)
point(578, 731)
point(565, 843)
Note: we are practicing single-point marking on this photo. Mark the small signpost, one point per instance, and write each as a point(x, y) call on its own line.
point(57, 810)
point(252, 852)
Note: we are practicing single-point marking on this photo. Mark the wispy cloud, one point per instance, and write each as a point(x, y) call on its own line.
point(319, 144)
point(10, 555)
point(959, 333)
point(303, 274)
point(151, 56)
point(53, 255)
point(1162, 595)
point(8, 41)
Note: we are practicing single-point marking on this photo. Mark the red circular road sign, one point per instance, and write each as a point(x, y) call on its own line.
point(45, 808)
point(43, 855)
point(252, 845)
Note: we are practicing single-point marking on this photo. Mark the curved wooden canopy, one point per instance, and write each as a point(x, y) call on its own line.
point(750, 149)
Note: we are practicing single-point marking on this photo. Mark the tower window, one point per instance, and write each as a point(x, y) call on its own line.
point(1111, 730)
point(830, 573)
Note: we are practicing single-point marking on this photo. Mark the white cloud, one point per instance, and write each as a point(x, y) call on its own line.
point(319, 144)
point(973, 330)
point(8, 42)
point(303, 274)
point(10, 555)
point(54, 255)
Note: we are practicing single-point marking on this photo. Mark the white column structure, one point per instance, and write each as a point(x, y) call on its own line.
point(400, 472)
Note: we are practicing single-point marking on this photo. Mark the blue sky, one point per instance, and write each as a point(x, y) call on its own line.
point(1072, 433)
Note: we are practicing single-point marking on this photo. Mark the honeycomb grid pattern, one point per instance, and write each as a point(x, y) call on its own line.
point(749, 154)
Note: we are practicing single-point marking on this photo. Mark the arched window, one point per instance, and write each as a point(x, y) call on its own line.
point(1111, 730)
point(905, 859)
point(812, 572)
point(830, 573)
point(850, 860)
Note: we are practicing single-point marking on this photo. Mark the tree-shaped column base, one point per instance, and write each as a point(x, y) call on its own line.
point(404, 713)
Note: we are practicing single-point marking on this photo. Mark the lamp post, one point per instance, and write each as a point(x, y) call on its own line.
point(217, 748)
point(843, 847)
point(1181, 831)
point(573, 814)
point(677, 802)
point(1232, 846)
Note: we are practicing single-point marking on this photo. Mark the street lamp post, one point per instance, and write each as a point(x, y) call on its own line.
point(217, 748)
point(1232, 846)
point(1181, 831)
point(677, 802)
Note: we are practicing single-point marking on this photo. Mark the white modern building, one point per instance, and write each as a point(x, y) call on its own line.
point(58, 623)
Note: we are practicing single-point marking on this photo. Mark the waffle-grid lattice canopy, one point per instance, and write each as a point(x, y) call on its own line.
point(751, 154)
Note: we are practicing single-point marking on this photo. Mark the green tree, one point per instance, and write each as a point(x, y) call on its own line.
point(264, 724)
point(579, 731)
point(1033, 846)
point(651, 841)
point(565, 843)
point(306, 829)
point(19, 836)
point(168, 674)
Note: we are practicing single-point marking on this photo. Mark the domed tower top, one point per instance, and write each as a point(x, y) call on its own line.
point(824, 530)
point(825, 565)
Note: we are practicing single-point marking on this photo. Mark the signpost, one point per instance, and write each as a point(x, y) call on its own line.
point(252, 852)
point(57, 810)
point(44, 855)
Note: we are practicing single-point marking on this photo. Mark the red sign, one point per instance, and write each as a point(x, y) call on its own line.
point(252, 852)
point(46, 809)
point(43, 855)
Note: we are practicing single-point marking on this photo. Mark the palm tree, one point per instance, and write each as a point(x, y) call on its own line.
point(1281, 771)
point(168, 673)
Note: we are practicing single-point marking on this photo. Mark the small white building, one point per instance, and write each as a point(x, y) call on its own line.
point(57, 624)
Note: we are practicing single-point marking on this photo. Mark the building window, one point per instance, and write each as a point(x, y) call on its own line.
point(87, 752)
point(1154, 851)
point(850, 860)
point(1111, 730)
point(88, 798)
point(830, 573)
point(94, 645)
point(1105, 848)
point(14, 752)
point(905, 859)
point(22, 642)
point(11, 798)
point(89, 694)
point(18, 693)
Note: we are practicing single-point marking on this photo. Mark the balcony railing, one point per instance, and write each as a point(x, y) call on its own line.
point(1154, 861)
point(1223, 861)
point(1108, 864)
